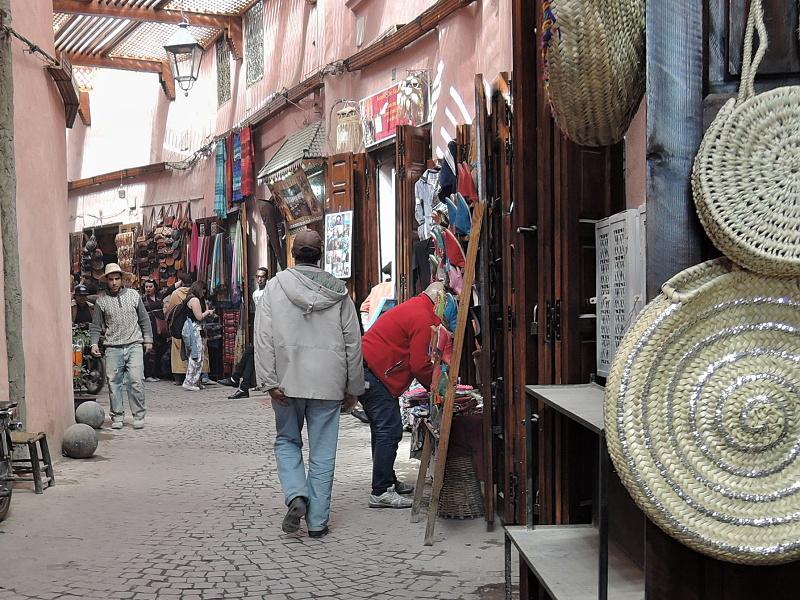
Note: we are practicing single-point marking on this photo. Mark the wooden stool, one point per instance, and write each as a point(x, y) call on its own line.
point(19, 438)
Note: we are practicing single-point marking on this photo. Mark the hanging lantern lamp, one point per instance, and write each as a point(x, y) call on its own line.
point(184, 54)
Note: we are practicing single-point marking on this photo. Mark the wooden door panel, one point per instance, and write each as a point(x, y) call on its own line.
point(339, 183)
point(412, 152)
point(366, 241)
point(782, 53)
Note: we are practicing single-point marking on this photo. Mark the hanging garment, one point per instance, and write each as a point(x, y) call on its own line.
point(194, 248)
point(237, 168)
point(228, 171)
point(425, 191)
point(216, 277)
point(220, 203)
point(248, 163)
point(447, 174)
point(237, 263)
point(466, 184)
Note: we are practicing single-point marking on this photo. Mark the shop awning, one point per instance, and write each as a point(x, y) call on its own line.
point(305, 145)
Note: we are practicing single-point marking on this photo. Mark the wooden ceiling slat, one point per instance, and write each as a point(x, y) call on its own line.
point(107, 62)
point(75, 29)
point(89, 41)
point(139, 14)
point(77, 34)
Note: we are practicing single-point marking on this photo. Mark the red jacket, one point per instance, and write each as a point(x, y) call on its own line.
point(396, 347)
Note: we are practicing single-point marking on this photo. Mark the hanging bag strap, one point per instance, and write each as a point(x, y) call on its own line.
point(750, 60)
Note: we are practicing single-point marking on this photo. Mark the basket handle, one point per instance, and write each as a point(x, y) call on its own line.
point(688, 284)
point(751, 60)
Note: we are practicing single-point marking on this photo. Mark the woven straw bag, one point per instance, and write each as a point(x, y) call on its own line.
point(746, 178)
point(593, 54)
point(702, 413)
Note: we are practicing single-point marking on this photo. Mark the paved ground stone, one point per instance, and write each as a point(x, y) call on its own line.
point(191, 507)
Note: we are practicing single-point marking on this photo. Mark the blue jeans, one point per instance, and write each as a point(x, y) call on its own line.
point(386, 428)
point(322, 417)
point(121, 361)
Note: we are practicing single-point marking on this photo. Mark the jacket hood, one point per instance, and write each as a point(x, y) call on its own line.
point(310, 288)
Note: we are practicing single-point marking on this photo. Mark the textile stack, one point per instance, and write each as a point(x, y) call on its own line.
point(230, 328)
point(125, 251)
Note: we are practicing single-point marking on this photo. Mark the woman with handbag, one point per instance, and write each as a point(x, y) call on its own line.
point(194, 309)
point(155, 308)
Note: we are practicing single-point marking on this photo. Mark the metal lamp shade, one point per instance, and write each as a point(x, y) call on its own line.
point(185, 56)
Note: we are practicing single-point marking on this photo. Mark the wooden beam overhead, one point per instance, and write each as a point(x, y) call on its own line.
point(108, 62)
point(76, 7)
point(167, 80)
point(83, 108)
point(116, 176)
point(406, 35)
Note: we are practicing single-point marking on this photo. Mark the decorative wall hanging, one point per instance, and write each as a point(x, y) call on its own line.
point(339, 243)
point(223, 71)
point(746, 177)
point(702, 414)
point(296, 199)
point(349, 132)
point(593, 55)
point(254, 43)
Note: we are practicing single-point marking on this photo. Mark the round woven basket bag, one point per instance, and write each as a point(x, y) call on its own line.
point(702, 413)
point(593, 56)
point(746, 177)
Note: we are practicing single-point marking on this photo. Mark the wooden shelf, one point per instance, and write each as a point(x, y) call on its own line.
point(582, 403)
point(564, 559)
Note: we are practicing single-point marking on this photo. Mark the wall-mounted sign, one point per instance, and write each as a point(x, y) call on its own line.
point(339, 243)
point(296, 199)
point(404, 103)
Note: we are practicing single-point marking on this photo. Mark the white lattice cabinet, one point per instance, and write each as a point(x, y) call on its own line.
point(620, 242)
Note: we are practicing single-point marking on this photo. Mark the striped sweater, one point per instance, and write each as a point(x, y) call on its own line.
point(123, 317)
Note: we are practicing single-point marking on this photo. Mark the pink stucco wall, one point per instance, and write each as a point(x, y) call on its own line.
point(300, 39)
point(43, 223)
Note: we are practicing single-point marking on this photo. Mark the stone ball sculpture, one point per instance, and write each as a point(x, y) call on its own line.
point(90, 413)
point(80, 441)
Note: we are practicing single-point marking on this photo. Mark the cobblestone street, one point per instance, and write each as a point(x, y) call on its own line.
point(190, 507)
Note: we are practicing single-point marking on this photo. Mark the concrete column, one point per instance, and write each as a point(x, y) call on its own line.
point(12, 287)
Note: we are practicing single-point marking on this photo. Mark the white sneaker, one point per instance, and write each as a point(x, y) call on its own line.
point(138, 423)
point(152, 379)
point(116, 424)
point(389, 499)
point(190, 388)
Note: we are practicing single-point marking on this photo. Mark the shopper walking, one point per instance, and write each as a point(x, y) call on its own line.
point(194, 312)
point(308, 355)
point(155, 310)
point(243, 376)
point(121, 313)
point(395, 353)
point(172, 302)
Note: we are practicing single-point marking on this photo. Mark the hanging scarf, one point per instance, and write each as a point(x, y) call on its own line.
point(229, 170)
point(237, 168)
point(248, 162)
point(237, 262)
point(194, 248)
point(216, 276)
point(220, 203)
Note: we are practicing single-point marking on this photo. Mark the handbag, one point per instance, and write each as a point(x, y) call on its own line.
point(701, 409)
point(593, 55)
point(744, 178)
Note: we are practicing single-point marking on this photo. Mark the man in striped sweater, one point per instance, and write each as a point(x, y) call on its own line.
point(121, 313)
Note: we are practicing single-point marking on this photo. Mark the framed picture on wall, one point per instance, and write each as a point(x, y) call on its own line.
point(339, 244)
point(296, 199)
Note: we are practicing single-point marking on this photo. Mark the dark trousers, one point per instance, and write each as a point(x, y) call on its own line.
point(245, 369)
point(386, 428)
point(152, 359)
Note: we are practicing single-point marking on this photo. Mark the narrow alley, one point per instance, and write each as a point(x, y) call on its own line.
point(191, 507)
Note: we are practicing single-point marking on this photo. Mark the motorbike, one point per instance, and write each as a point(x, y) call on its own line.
point(88, 372)
point(7, 425)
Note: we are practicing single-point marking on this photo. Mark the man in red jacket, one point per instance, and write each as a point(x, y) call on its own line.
point(395, 353)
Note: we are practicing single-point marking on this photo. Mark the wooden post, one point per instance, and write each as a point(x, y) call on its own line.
point(455, 364)
point(674, 130)
point(12, 287)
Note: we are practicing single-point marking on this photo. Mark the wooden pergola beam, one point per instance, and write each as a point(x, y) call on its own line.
point(91, 9)
point(108, 62)
point(406, 35)
point(116, 176)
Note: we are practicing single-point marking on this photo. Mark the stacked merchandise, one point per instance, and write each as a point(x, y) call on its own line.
point(92, 261)
point(701, 404)
point(125, 251)
point(230, 328)
point(75, 252)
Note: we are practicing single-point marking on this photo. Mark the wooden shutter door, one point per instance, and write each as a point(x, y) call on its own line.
point(339, 183)
point(412, 152)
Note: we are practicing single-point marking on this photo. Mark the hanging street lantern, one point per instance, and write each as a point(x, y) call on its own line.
point(184, 55)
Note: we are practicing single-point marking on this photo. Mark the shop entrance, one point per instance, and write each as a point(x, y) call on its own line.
point(386, 173)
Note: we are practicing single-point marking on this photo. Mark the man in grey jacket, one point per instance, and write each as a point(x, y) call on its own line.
point(120, 312)
point(308, 355)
